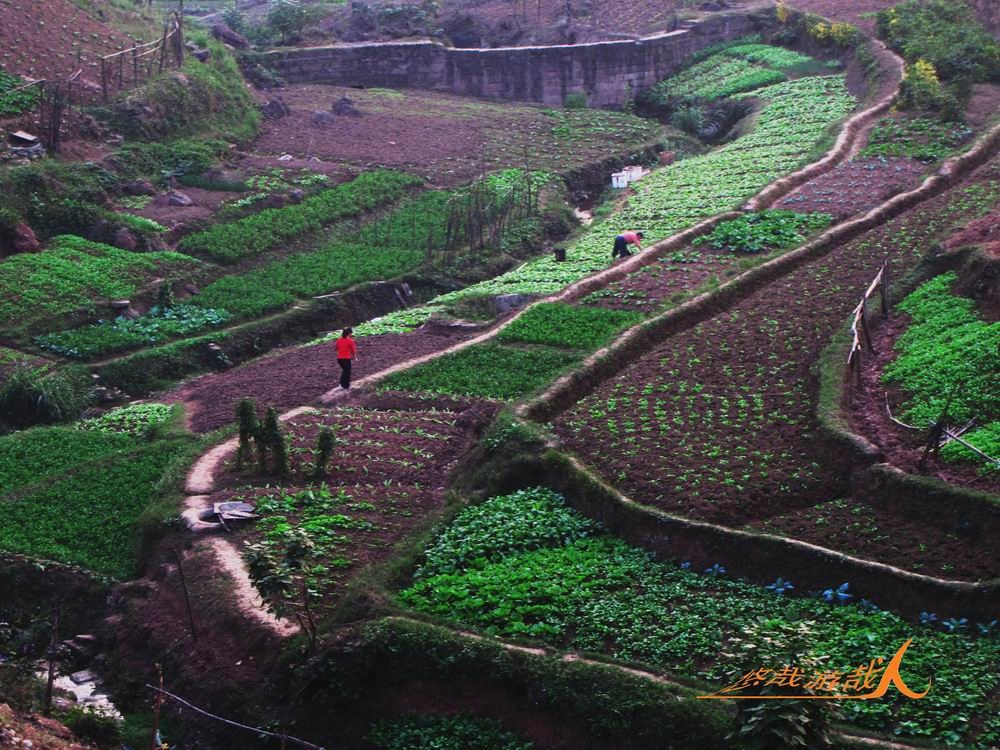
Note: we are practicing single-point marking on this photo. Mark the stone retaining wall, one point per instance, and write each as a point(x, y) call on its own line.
point(603, 71)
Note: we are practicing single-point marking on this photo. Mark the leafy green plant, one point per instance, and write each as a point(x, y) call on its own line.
point(31, 456)
point(16, 102)
point(73, 274)
point(525, 520)
point(122, 334)
point(134, 419)
point(764, 230)
point(487, 370)
point(571, 326)
point(254, 234)
point(947, 356)
point(915, 137)
point(596, 593)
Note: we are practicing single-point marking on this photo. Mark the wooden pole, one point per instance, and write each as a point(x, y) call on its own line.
point(885, 288)
point(187, 594)
point(53, 640)
point(104, 79)
point(156, 712)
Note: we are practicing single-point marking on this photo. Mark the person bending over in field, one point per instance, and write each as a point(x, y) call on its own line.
point(347, 354)
point(623, 240)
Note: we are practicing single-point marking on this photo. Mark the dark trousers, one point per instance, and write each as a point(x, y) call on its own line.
point(345, 372)
point(621, 248)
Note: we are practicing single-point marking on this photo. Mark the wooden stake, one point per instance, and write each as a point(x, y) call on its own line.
point(156, 711)
point(187, 594)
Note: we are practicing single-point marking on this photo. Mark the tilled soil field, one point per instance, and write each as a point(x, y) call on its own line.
point(855, 187)
point(450, 140)
point(298, 376)
point(388, 473)
point(665, 281)
point(719, 423)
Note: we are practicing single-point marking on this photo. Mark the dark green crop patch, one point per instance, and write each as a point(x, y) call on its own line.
point(764, 230)
point(486, 370)
point(571, 326)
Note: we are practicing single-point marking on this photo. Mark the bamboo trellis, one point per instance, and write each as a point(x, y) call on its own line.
point(128, 68)
point(859, 323)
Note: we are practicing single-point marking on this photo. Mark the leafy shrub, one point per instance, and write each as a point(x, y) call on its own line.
point(945, 34)
point(688, 118)
point(138, 223)
point(920, 89)
point(418, 732)
point(18, 102)
point(764, 230)
point(289, 18)
point(561, 324)
point(93, 724)
point(575, 100)
point(254, 234)
point(525, 520)
point(121, 334)
point(38, 395)
point(181, 157)
point(487, 370)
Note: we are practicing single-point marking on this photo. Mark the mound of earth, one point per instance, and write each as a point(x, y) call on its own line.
point(19, 730)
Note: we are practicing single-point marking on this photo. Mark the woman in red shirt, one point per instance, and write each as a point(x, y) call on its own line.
point(347, 352)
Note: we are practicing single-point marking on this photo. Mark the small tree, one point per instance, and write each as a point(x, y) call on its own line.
point(246, 418)
point(289, 18)
point(273, 440)
point(324, 449)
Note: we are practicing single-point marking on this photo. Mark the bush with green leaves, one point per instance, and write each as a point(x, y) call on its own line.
point(289, 18)
point(945, 34)
point(422, 732)
point(948, 357)
point(123, 334)
point(571, 326)
point(486, 370)
point(764, 230)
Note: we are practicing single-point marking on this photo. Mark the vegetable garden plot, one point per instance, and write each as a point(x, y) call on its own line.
point(718, 423)
point(74, 273)
point(527, 566)
point(387, 473)
point(793, 117)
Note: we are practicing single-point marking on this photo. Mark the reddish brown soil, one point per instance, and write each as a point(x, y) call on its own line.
point(983, 232)
point(851, 11)
point(902, 447)
point(393, 464)
point(719, 422)
point(22, 730)
point(664, 282)
point(984, 105)
point(297, 376)
point(223, 672)
point(447, 139)
point(855, 187)
point(54, 38)
point(206, 203)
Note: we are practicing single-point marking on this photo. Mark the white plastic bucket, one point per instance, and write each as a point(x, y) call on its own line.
point(619, 180)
